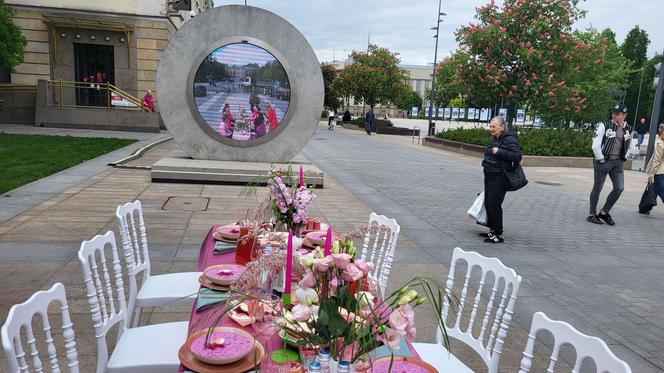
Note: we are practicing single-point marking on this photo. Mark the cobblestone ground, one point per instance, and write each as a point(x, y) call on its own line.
point(606, 281)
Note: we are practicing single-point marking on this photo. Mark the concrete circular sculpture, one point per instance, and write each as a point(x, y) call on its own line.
point(235, 25)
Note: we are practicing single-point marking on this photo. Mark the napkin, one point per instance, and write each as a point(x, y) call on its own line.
point(221, 247)
point(208, 298)
point(403, 350)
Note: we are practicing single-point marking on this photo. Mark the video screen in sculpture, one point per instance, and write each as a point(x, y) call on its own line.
point(241, 91)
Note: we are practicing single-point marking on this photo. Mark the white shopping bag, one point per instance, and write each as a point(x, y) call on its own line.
point(477, 210)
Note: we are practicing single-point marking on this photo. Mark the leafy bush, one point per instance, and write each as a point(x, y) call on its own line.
point(358, 122)
point(533, 141)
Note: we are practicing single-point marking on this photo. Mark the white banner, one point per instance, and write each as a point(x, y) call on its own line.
point(117, 100)
point(414, 111)
point(477, 114)
point(484, 114)
point(448, 113)
point(503, 113)
point(441, 112)
point(455, 113)
point(462, 113)
point(471, 113)
point(521, 116)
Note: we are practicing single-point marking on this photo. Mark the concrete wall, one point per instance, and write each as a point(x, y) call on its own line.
point(142, 7)
point(36, 63)
point(17, 106)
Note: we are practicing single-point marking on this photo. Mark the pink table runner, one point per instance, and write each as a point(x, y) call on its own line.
point(206, 318)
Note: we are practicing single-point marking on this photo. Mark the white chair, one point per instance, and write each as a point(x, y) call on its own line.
point(148, 349)
point(173, 288)
point(20, 317)
point(501, 312)
point(382, 243)
point(585, 346)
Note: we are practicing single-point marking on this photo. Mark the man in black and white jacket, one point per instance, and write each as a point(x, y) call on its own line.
point(610, 146)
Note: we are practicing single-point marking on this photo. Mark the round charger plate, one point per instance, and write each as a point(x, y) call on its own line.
point(251, 361)
point(318, 237)
point(229, 232)
point(205, 282)
point(219, 237)
point(237, 270)
point(414, 365)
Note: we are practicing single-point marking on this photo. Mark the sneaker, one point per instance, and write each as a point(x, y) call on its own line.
point(486, 234)
point(494, 238)
point(594, 219)
point(607, 218)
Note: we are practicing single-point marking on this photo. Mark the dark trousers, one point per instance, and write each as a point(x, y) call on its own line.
point(614, 169)
point(369, 127)
point(494, 194)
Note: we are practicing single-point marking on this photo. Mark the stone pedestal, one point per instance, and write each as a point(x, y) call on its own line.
point(182, 169)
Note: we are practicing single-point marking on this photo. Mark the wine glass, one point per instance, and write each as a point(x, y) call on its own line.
point(266, 312)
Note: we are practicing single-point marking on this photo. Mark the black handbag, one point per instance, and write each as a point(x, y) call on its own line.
point(648, 199)
point(515, 178)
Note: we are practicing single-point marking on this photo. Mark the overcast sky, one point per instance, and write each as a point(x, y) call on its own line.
point(336, 27)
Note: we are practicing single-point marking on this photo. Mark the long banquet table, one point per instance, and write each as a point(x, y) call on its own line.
point(206, 317)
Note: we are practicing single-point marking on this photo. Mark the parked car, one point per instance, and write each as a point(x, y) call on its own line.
point(200, 91)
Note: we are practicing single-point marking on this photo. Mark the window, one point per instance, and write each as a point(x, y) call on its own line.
point(5, 75)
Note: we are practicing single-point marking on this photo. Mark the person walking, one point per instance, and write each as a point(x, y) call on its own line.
point(330, 119)
point(369, 121)
point(259, 123)
point(641, 130)
point(272, 117)
point(655, 169)
point(499, 155)
point(610, 146)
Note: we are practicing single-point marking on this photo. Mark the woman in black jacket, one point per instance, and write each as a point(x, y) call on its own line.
point(500, 154)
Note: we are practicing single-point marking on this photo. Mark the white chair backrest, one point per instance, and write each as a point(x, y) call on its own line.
point(585, 346)
point(135, 246)
point(103, 291)
point(20, 317)
point(379, 245)
point(500, 312)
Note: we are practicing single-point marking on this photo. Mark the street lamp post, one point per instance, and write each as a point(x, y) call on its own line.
point(432, 127)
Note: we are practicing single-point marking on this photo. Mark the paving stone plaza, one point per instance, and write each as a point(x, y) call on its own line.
point(606, 281)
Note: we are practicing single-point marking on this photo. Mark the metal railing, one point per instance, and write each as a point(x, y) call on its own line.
point(63, 93)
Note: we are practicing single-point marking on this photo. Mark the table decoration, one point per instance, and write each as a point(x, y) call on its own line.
point(189, 360)
point(224, 274)
point(399, 364)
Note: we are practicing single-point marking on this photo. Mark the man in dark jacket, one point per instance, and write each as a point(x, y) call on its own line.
point(641, 130)
point(500, 154)
point(369, 120)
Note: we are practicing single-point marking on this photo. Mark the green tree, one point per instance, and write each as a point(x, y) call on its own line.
point(598, 77)
point(374, 76)
point(331, 96)
point(408, 99)
point(448, 85)
point(12, 42)
point(524, 54)
point(634, 48)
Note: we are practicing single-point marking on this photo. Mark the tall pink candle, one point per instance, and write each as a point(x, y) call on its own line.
point(289, 263)
point(301, 176)
point(328, 241)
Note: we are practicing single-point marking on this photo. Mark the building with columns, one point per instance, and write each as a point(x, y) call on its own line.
point(97, 43)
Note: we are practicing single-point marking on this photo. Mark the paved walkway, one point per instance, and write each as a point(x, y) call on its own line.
point(607, 281)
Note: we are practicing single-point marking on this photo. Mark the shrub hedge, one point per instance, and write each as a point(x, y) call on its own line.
point(533, 141)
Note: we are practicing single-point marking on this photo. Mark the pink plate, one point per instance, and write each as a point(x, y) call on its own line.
point(224, 274)
point(229, 231)
point(318, 237)
point(234, 345)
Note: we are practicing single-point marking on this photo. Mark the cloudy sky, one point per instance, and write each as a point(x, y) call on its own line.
point(242, 54)
point(336, 27)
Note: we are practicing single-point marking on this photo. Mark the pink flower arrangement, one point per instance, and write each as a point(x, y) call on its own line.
point(290, 205)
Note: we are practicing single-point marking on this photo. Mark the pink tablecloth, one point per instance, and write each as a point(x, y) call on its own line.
point(207, 317)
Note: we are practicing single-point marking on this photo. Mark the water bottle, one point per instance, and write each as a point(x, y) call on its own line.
point(324, 360)
point(343, 366)
point(314, 367)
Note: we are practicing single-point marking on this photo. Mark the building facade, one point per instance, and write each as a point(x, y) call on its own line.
point(94, 43)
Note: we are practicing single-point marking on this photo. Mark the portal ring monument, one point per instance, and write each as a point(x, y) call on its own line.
point(234, 24)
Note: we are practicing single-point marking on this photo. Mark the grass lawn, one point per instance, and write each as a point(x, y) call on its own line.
point(26, 158)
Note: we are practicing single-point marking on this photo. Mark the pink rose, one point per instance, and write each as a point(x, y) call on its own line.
point(301, 312)
point(352, 273)
point(309, 280)
point(398, 322)
point(365, 267)
point(322, 265)
point(341, 260)
point(391, 338)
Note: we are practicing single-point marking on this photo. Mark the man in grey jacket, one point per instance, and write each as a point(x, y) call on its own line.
point(610, 146)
